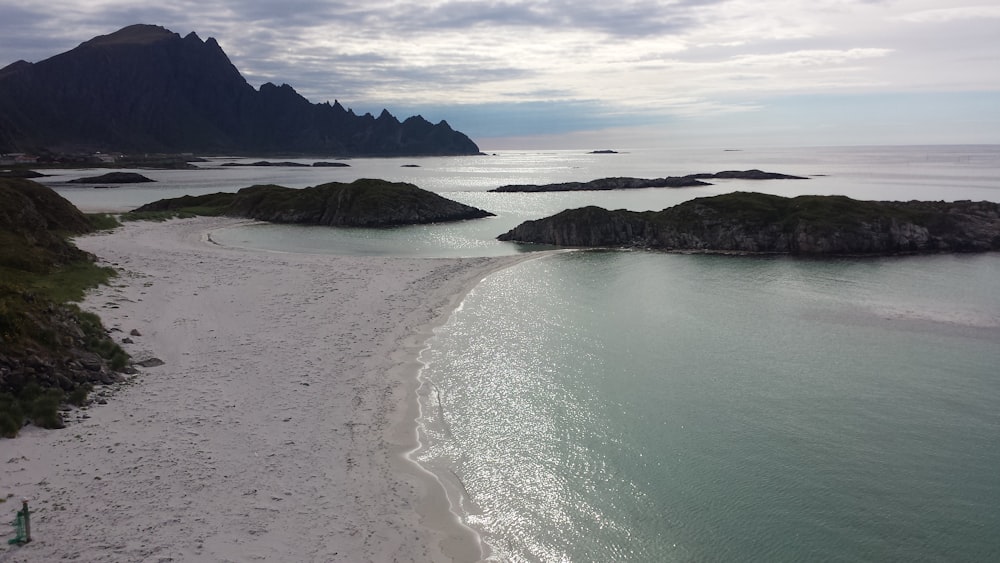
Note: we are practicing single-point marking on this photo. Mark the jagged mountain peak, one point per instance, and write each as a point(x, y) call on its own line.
point(137, 34)
point(144, 88)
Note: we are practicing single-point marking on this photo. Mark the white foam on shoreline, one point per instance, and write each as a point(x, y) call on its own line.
point(272, 432)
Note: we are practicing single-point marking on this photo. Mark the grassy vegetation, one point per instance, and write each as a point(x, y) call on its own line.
point(158, 216)
point(62, 284)
point(362, 203)
point(185, 206)
point(103, 221)
point(819, 212)
point(41, 275)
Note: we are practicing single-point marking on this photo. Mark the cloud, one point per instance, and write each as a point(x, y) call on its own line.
point(610, 61)
point(942, 15)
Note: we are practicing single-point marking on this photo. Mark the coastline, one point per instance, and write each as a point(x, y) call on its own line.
point(278, 428)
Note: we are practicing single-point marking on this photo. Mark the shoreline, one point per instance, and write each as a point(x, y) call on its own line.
point(278, 428)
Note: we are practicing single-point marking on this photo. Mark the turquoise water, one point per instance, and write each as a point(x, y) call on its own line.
point(632, 406)
point(641, 406)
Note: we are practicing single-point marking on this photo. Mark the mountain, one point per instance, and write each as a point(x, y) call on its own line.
point(754, 222)
point(147, 89)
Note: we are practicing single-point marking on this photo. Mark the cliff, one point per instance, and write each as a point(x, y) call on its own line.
point(362, 203)
point(147, 89)
point(753, 222)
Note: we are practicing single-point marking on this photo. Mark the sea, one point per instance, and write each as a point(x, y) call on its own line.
point(629, 405)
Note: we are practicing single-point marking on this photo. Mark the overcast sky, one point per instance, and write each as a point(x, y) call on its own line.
point(608, 74)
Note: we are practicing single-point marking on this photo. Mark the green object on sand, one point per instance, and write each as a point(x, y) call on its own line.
point(22, 526)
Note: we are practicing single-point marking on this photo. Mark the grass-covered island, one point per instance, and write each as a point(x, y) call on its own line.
point(761, 223)
point(362, 203)
point(51, 352)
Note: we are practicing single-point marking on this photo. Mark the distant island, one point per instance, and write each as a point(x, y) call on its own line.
point(113, 178)
point(266, 163)
point(604, 151)
point(145, 89)
point(759, 223)
point(627, 183)
point(362, 203)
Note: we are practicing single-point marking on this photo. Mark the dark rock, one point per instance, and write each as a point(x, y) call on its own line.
point(618, 183)
point(147, 89)
point(626, 183)
point(150, 363)
point(90, 361)
point(362, 203)
point(113, 178)
point(20, 173)
point(127, 340)
point(752, 223)
point(753, 174)
point(134, 332)
point(265, 163)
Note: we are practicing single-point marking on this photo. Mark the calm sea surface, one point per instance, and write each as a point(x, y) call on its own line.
point(643, 406)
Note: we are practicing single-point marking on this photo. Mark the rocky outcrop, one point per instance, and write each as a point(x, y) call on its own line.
point(74, 363)
point(601, 184)
point(113, 178)
point(20, 173)
point(627, 183)
point(362, 203)
point(760, 223)
point(147, 89)
point(32, 217)
point(753, 174)
point(288, 164)
point(48, 349)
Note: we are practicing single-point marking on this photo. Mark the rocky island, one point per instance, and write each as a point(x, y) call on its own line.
point(759, 223)
point(113, 178)
point(288, 164)
point(362, 203)
point(627, 183)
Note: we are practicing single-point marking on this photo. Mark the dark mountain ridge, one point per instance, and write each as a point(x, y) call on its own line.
point(147, 89)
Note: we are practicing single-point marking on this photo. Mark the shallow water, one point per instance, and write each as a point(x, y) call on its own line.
point(633, 406)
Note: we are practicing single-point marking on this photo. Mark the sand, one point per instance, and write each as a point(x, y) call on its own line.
point(277, 428)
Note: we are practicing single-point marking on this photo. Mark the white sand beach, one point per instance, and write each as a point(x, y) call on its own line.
point(277, 428)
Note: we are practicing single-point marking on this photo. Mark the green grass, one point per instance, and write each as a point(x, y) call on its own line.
point(42, 274)
point(61, 284)
point(103, 221)
point(158, 216)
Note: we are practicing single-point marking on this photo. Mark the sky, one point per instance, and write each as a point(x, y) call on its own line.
point(583, 74)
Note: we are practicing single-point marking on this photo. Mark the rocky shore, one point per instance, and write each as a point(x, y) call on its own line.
point(753, 222)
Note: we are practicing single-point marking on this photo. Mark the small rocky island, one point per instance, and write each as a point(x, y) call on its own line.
point(362, 203)
point(114, 178)
point(744, 222)
point(288, 164)
point(627, 183)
